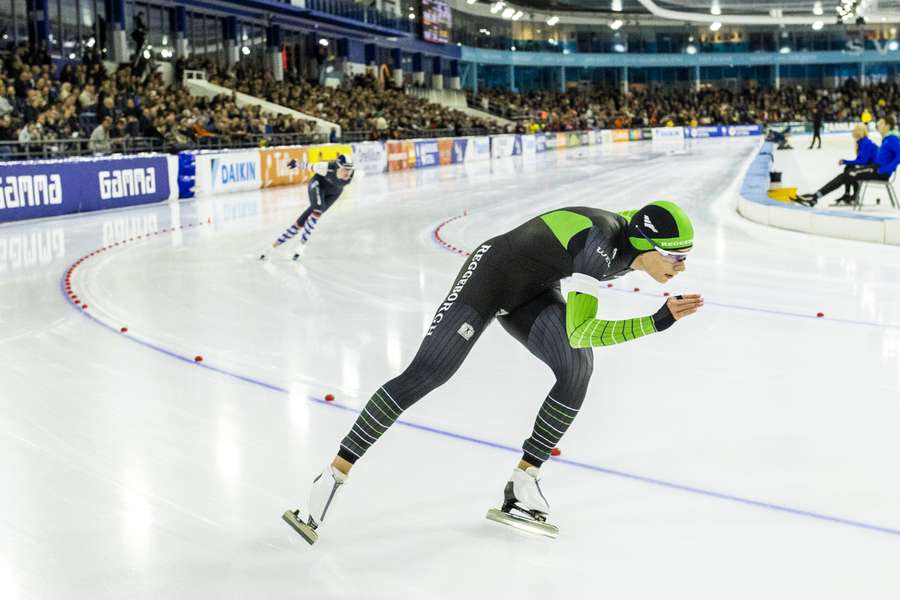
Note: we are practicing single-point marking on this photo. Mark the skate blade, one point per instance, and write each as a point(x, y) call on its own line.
point(522, 523)
point(306, 532)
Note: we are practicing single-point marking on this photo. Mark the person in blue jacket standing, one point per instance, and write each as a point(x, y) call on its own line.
point(887, 158)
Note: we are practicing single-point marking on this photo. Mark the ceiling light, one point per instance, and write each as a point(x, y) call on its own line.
point(519, 14)
point(508, 12)
point(513, 48)
point(785, 50)
point(715, 9)
point(497, 7)
point(817, 8)
point(412, 16)
point(817, 25)
point(323, 42)
point(715, 26)
point(619, 47)
point(615, 25)
point(552, 21)
point(245, 51)
point(616, 6)
point(893, 45)
point(691, 49)
point(471, 1)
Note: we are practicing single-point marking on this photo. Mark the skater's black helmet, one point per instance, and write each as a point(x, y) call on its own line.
point(345, 162)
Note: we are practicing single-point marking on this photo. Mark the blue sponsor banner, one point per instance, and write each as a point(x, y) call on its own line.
point(187, 174)
point(517, 145)
point(705, 131)
point(540, 142)
point(459, 150)
point(742, 130)
point(51, 188)
point(427, 153)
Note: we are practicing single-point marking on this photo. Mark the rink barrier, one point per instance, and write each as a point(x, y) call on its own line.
point(53, 188)
point(755, 205)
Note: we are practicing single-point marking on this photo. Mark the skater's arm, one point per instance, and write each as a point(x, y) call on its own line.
point(320, 168)
point(586, 331)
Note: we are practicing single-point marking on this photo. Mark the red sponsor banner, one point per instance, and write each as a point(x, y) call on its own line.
point(445, 149)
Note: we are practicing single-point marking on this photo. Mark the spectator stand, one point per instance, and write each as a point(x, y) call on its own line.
point(456, 100)
point(197, 84)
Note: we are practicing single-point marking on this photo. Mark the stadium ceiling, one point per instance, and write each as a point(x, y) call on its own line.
point(738, 12)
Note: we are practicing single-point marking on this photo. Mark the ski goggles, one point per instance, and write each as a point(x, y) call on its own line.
point(669, 255)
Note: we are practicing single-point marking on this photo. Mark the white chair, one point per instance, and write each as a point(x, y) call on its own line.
point(889, 184)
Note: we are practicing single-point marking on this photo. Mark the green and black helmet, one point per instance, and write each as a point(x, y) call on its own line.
point(660, 225)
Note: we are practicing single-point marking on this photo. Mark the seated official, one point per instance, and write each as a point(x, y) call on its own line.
point(887, 157)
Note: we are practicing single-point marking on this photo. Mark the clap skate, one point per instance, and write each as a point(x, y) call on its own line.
point(321, 498)
point(524, 506)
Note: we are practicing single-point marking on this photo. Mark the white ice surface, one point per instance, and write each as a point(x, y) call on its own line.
point(128, 473)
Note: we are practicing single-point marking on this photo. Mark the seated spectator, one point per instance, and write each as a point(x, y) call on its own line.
point(866, 151)
point(100, 137)
point(886, 161)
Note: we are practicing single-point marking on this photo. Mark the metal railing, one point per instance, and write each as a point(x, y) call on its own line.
point(409, 134)
point(64, 148)
point(358, 12)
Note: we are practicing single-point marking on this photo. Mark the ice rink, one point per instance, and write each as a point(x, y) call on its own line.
point(751, 451)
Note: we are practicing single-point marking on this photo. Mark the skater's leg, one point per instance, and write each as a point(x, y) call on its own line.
point(443, 350)
point(541, 326)
point(294, 229)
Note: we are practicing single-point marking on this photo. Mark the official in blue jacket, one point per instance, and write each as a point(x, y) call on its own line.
point(887, 158)
point(866, 150)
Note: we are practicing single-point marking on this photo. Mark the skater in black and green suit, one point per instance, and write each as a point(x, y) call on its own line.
point(515, 278)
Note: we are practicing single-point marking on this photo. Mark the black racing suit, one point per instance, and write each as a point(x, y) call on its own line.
point(515, 277)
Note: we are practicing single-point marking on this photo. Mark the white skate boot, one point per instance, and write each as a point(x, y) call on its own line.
point(524, 506)
point(322, 496)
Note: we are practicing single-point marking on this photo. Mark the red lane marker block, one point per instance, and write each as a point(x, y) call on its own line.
point(209, 220)
point(820, 315)
point(666, 294)
point(637, 289)
point(124, 330)
point(329, 397)
point(555, 452)
point(84, 307)
point(198, 358)
point(609, 285)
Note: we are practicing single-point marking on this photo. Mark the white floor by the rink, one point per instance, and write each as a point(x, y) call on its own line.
point(749, 452)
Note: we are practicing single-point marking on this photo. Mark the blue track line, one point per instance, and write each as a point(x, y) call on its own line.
point(497, 446)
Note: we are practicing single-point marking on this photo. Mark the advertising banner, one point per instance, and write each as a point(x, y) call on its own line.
point(460, 147)
point(327, 152)
point(400, 155)
point(606, 137)
point(561, 140)
point(529, 145)
point(619, 135)
point(370, 157)
point(428, 153)
point(51, 188)
point(224, 172)
point(705, 131)
point(592, 138)
point(668, 133)
point(502, 145)
point(445, 150)
point(478, 148)
point(573, 140)
point(743, 130)
point(634, 135)
point(275, 169)
point(550, 141)
point(540, 143)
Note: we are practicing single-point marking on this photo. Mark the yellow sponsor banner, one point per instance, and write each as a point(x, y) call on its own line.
point(328, 152)
point(620, 135)
point(561, 140)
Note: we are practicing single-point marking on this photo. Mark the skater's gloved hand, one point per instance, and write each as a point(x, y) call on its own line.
point(676, 308)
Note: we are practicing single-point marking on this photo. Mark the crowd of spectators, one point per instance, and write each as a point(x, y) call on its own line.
point(119, 111)
point(648, 107)
point(110, 111)
point(364, 106)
